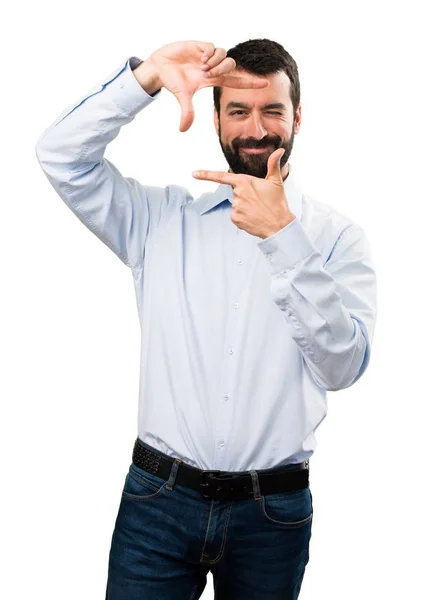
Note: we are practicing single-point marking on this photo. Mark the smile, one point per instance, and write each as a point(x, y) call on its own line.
point(255, 150)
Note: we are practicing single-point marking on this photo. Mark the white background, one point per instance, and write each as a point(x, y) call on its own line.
point(70, 337)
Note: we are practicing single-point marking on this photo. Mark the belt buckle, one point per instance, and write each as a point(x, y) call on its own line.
point(205, 484)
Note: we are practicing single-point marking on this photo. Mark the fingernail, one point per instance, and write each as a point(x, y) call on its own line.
point(195, 173)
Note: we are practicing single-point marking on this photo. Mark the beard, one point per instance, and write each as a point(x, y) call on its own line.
point(254, 164)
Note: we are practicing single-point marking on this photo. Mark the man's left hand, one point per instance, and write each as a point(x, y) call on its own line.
point(260, 206)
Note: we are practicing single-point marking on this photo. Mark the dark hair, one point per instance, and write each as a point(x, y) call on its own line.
point(263, 57)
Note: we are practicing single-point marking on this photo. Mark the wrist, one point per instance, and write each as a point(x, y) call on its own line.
point(147, 76)
point(280, 225)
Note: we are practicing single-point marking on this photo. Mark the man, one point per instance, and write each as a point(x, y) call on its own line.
point(253, 301)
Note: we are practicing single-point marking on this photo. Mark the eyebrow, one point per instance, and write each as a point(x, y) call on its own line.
point(244, 105)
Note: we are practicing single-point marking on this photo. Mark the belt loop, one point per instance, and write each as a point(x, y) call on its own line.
point(173, 474)
point(255, 481)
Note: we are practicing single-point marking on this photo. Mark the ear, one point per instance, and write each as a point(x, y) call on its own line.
point(298, 119)
point(216, 120)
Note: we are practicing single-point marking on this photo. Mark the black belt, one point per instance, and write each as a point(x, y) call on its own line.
point(222, 485)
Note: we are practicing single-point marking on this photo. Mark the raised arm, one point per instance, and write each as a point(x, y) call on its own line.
point(119, 210)
point(71, 153)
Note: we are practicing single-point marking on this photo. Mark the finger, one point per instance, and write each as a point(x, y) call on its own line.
point(273, 165)
point(187, 110)
point(226, 66)
point(207, 49)
point(218, 176)
point(245, 82)
point(219, 55)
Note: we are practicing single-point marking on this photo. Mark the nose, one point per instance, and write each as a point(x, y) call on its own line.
point(254, 128)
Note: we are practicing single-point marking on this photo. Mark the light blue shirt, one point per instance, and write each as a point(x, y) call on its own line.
point(241, 337)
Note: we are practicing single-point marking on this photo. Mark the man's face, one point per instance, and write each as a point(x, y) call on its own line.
point(252, 124)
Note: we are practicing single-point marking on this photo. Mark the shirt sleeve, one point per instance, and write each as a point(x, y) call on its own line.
point(70, 151)
point(331, 308)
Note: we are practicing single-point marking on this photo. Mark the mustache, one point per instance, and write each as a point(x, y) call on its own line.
point(255, 144)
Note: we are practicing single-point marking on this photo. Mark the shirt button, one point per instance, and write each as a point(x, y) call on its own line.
point(226, 396)
point(189, 201)
point(230, 350)
point(239, 262)
point(235, 305)
point(221, 443)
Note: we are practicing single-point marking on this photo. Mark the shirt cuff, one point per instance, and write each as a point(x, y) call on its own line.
point(124, 89)
point(287, 247)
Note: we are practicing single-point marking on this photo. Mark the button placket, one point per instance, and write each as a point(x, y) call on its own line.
point(238, 275)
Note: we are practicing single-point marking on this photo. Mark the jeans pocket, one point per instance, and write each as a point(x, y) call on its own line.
point(141, 485)
point(287, 509)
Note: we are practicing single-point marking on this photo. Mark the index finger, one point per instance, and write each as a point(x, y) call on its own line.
point(218, 176)
point(244, 81)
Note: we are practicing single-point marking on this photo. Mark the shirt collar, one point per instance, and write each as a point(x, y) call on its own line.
point(293, 192)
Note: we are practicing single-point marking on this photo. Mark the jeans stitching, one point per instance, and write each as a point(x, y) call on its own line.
point(288, 524)
point(223, 543)
point(141, 480)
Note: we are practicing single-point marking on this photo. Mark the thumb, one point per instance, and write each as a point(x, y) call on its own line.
point(187, 110)
point(273, 165)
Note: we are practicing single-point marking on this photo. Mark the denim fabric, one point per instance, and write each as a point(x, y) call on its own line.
point(168, 537)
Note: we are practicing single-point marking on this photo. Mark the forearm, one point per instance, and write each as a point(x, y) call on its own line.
point(78, 137)
point(331, 307)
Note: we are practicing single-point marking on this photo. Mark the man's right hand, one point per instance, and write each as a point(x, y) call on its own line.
point(179, 68)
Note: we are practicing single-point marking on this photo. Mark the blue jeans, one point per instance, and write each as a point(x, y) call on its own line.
point(168, 537)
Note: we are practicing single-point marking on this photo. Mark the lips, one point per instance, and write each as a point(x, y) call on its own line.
point(255, 150)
